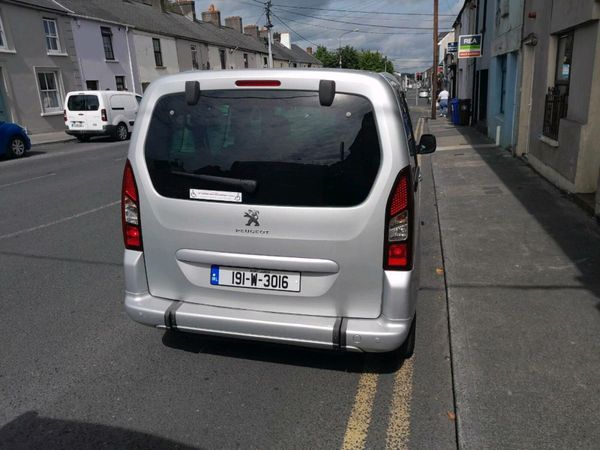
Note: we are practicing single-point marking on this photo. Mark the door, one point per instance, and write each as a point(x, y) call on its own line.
point(4, 112)
point(83, 112)
point(268, 180)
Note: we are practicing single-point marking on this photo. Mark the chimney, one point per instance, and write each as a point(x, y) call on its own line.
point(251, 30)
point(234, 22)
point(309, 50)
point(277, 36)
point(285, 40)
point(213, 15)
point(263, 33)
point(186, 8)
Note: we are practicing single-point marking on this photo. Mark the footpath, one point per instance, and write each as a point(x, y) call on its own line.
point(50, 138)
point(522, 268)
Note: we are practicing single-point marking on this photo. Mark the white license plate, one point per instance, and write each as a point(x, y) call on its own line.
point(271, 280)
point(77, 124)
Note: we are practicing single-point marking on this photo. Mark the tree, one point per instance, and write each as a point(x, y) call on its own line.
point(326, 57)
point(374, 61)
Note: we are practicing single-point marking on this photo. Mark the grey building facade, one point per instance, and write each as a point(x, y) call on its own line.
point(558, 126)
point(38, 64)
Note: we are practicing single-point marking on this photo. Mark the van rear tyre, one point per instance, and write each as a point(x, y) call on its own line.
point(121, 132)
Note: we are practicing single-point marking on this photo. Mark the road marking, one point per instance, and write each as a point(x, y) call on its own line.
point(56, 222)
point(398, 430)
point(465, 147)
point(360, 417)
point(120, 159)
point(26, 180)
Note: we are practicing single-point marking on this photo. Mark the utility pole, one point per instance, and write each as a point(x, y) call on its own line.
point(269, 25)
point(433, 89)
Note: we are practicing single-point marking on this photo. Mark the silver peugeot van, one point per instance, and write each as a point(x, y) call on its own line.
point(275, 205)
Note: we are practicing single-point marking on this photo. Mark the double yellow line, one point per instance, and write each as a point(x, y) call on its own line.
point(398, 427)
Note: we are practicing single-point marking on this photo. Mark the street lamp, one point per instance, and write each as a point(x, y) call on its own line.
point(340, 43)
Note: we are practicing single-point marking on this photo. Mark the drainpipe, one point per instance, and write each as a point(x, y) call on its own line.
point(130, 61)
point(474, 94)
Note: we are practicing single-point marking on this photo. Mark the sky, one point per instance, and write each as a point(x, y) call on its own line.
point(394, 27)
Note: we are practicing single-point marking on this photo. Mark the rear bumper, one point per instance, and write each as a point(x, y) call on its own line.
point(367, 335)
point(107, 130)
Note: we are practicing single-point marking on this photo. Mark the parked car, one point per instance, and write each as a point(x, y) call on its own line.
point(14, 141)
point(275, 205)
point(100, 113)
point(424, 93)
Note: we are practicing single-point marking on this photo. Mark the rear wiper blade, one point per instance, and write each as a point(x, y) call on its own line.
point(248, 186)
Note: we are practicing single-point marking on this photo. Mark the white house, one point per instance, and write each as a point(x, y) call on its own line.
point(105, 54)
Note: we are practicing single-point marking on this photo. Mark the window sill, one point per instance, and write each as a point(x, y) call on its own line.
point(8, 50)
point(160, 67)
point(111, 60)
point(57, 54)
point(551, 142)
point(52, 113)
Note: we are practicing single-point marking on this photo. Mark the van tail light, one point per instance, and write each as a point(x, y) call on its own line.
point(130, 211)
point(65, 115)
point(398, 239)
point(103, 115)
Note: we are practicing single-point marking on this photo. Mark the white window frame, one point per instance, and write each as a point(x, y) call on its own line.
point(4, 45)
point(59, 90)
point(47, 36)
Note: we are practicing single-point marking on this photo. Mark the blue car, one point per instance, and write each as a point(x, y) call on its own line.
point(14, 141)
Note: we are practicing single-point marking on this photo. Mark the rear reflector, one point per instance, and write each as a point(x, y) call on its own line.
point(400, 198)
point(257, 83)
point(130, 211)
point(65, 114)
point(398, 255)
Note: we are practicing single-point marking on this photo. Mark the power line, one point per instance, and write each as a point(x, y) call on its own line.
point(292, 30)
point(355, 11)
point(358, 23)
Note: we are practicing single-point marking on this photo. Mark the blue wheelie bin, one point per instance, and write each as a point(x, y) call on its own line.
point(455, 113)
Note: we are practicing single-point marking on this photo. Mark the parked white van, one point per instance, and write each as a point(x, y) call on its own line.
point(100, 113)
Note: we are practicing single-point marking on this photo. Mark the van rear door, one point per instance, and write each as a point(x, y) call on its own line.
point(83, 112)
point(262, 200)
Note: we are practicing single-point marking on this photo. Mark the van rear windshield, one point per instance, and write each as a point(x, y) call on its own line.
point(273, 147)
point(83, 103)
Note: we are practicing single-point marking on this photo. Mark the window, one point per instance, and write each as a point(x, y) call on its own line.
point(49, 91)
point(557, 99)
point(299, 152)
point(91, 85)
point(194, 52)
point(265, 61)
point(120, 82)
point(223, 62)
point(245, 60)
point(157, 52)
point(83, 103)
point(564, 55)
point(51, 32)
point(109, 55)
point(3, 43)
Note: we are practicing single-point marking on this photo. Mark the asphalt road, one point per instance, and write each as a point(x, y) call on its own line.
point(75, 372)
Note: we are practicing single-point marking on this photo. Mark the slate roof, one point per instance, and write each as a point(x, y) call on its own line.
point(148, 18)
point(47, 4)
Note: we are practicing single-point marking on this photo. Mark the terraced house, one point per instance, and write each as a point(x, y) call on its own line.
point(48, 48)
point(38, 63)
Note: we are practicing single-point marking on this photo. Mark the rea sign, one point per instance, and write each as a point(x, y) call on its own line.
point(469, 46)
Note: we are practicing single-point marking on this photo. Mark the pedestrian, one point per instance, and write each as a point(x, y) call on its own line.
point(443, 100)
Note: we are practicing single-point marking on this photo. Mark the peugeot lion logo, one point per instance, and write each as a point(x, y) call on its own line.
point(252, 216)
